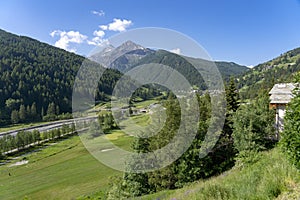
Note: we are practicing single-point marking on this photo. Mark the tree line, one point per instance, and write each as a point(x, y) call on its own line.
point(24, 138)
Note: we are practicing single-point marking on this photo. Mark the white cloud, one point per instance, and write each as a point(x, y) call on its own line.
point(250, 66)
point(98, 39)
point(177, 51)
point(75, 37)
point(104, 27)
point(118, 25)
point(99, 13)
point(65, 38)
point(99, 33)
point(54, 33)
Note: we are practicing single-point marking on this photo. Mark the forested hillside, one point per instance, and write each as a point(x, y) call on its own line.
point(262, 77)
point(36, 79)
point(128, 55)
point(188, 70)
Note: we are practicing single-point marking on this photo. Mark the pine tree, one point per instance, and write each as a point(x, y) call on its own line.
point(135, 183)
point(28, 113)
point(232, 96)
point(33, 111)
point(232, 101)
point(22, 113)
point(253, 127)
point(42, 113)
point(14, 117)
point(51, 109)
point(57, 110)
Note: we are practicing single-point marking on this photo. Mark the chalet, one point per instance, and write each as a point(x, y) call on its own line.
point(280, 95)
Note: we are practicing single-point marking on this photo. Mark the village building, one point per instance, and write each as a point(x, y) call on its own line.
point(280, 95)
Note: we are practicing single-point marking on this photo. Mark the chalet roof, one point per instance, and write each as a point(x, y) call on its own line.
point(282, 93)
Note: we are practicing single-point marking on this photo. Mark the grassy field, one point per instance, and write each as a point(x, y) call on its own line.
point(62, 171)
point(272, 177)
point(144, 104)
point(65, 169)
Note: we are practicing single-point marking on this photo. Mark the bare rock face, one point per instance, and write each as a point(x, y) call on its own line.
point(122, 57)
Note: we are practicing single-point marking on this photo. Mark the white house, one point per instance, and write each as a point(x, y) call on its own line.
point(280, 95)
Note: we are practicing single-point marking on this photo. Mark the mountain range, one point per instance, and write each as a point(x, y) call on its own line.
point(32, 72)
point(129, 54)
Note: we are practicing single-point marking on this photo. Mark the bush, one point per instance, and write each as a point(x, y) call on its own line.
point(290, 137)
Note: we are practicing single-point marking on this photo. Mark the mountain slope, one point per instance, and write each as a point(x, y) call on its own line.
point(181, 64)
point(129, 55)
point(122, 57)
point(228, 69)
point(265, 75)
point(32, 72)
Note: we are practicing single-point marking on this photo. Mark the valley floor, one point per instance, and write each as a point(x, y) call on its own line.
point(64, 170)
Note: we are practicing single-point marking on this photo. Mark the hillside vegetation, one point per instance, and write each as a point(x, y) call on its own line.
point(184, 66)
point(36, 79)
point(271, 177)
point(262, 77)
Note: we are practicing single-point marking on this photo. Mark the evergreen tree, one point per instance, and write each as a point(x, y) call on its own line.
point(135, 182)
point(42, 113)
point(57, 110)
point(28, 113)
point(224, 151)
point(51, 109)
point(232, 96)
point(253, 127)
point(14, 117)
point(22, 113)
point(33, 111)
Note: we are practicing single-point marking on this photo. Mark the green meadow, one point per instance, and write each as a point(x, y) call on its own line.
point(64, 170)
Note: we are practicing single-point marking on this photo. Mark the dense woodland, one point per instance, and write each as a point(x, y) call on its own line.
point(36, 76)
point(36, 80)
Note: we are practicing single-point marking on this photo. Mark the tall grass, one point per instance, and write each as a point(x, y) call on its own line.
point(268, 178)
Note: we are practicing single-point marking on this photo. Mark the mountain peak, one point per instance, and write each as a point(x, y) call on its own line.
point(125, 54)
point(129, 46)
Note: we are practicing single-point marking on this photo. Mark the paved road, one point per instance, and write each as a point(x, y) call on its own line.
point(58, 124)
point(48, 126)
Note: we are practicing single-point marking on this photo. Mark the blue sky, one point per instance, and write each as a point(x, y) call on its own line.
point(244, 31)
